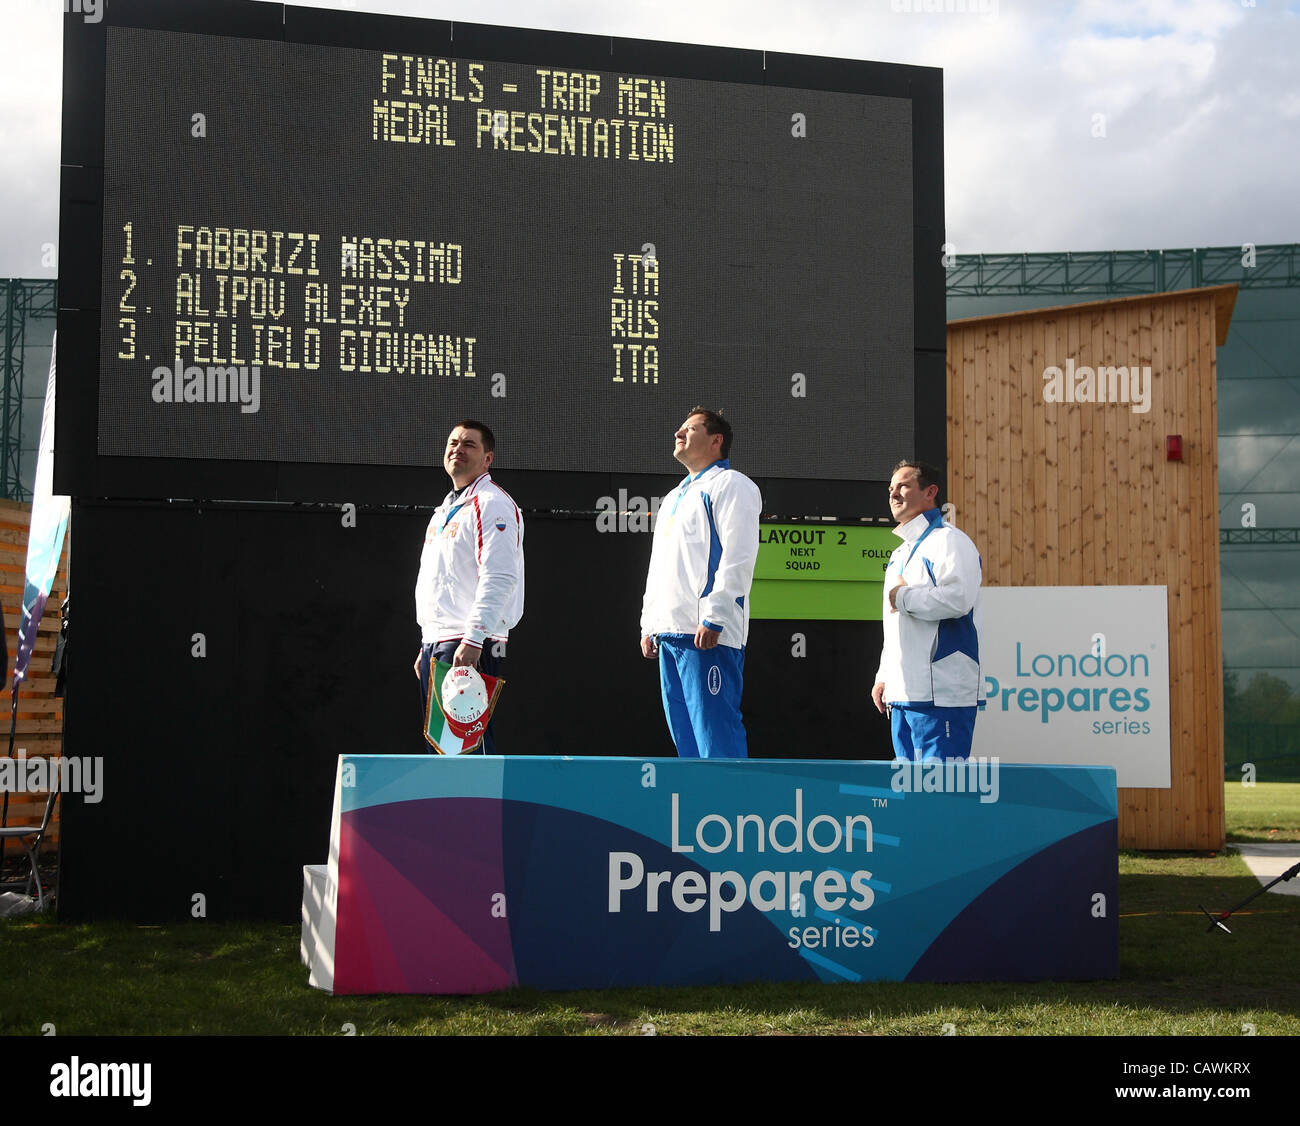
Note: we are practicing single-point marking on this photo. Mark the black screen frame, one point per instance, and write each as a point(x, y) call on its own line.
point(81, 471)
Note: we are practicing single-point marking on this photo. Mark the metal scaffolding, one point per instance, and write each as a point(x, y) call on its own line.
point(24, 299)
point(1289, 536)
point(1116, 273)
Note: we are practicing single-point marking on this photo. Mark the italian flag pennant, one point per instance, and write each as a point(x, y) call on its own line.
point(461, 702)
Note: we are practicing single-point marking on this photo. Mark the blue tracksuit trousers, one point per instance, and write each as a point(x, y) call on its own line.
point(923, 731)
point(701, 690)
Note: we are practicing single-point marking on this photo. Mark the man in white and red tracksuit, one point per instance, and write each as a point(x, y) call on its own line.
point(929, 679)
point(470, 590)
point(695, 614)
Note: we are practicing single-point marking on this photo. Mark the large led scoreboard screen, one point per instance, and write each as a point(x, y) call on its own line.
point(324, 254)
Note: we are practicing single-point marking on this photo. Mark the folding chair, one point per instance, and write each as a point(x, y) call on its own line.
point(21, 833)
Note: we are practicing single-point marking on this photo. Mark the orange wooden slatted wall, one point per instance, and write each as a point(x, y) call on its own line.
point(1081, 494)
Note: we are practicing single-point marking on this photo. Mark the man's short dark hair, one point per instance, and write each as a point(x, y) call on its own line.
point(926, 474)
point(714, 423)
point(489, 439)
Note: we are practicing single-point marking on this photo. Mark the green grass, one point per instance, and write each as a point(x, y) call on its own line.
point(1175, 979)
point(246, 980)
point(1266, 811)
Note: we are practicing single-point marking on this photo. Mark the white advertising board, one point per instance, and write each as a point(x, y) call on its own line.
point(1078, 675)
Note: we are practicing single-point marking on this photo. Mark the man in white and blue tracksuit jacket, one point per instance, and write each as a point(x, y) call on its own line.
point(929, 677)
point(695, 615)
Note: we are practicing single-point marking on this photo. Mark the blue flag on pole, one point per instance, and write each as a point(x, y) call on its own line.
point(44, 540)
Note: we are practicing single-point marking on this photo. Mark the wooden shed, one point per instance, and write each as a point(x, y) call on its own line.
point(1060, 493)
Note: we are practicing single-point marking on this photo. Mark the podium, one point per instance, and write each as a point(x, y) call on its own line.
point(472, 874)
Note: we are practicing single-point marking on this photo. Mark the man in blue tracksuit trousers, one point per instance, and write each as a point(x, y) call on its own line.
point(929, 678)
point(695, 614)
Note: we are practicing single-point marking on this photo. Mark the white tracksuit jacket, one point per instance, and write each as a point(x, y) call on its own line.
point(702, 562)
point(471, 581)
point(931, 652)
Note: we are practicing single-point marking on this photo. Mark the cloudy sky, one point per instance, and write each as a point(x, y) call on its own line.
point(1198, 100)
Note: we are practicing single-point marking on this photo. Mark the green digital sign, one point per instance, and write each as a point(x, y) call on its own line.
point(830, 572)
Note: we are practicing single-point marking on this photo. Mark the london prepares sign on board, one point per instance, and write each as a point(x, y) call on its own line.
point(1078, 675)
